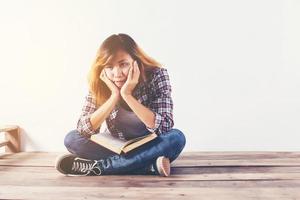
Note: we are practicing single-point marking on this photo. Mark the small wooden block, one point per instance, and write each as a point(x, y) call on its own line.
point(12, 135)
point(7, 128)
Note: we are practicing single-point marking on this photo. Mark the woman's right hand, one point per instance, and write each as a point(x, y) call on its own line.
point(113, 88)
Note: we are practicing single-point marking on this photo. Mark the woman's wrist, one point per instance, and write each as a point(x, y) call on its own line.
point(115, 97)
point(126, 96)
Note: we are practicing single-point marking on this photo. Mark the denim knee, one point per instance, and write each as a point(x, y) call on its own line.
point(177, 138)
point(180, 139)
point(70, 138)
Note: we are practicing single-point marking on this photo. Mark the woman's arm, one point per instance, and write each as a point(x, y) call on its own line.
point(91, 118)
point(98, 117)
point(143, 113)
point(161, 102)
point(159, 116)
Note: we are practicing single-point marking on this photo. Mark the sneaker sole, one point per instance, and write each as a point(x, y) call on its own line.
point(57, 163)
point(163, 166)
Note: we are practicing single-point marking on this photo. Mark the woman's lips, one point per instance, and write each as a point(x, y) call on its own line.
point(119, 81)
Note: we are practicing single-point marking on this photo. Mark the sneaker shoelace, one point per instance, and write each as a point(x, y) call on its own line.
point(85, 166)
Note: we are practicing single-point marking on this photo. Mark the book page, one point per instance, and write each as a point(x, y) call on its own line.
point(106, 138)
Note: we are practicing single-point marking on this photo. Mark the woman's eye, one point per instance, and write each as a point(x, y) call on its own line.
point(124, 64)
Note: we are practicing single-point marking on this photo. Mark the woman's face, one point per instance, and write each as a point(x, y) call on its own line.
point(117, 70)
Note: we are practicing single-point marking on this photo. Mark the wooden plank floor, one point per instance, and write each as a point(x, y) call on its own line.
point(194, 175)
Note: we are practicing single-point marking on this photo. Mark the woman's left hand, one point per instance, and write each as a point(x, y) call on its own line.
point(132, 80)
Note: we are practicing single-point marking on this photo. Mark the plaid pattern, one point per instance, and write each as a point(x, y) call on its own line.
point(155, 94)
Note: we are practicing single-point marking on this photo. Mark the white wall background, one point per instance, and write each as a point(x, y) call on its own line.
point(234, 66)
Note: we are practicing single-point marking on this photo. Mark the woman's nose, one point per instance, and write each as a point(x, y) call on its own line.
point(117, 71)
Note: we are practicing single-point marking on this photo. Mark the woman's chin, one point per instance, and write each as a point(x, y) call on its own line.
point(119, 85)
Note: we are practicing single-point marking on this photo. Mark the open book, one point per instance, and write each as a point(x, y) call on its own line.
point(118, 145)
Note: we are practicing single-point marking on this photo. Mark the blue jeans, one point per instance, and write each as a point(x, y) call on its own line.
point(169, 144)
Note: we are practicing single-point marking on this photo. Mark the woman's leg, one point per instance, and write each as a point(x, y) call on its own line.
point(169, 144)
point(83, 147)
point(171, 155)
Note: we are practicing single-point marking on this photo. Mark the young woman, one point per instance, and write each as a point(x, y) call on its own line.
point(131, 92)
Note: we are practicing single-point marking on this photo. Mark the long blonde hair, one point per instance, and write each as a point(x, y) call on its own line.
point(105, 53)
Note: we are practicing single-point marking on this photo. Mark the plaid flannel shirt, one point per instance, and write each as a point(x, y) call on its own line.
point(155, 94)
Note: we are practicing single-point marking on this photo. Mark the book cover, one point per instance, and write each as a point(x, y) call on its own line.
point(117, 145)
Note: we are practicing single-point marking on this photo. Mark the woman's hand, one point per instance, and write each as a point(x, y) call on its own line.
point(113, 88)
point(132, 80)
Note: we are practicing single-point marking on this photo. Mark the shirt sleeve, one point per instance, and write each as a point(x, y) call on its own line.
point(84, 125)
point(162, 103)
